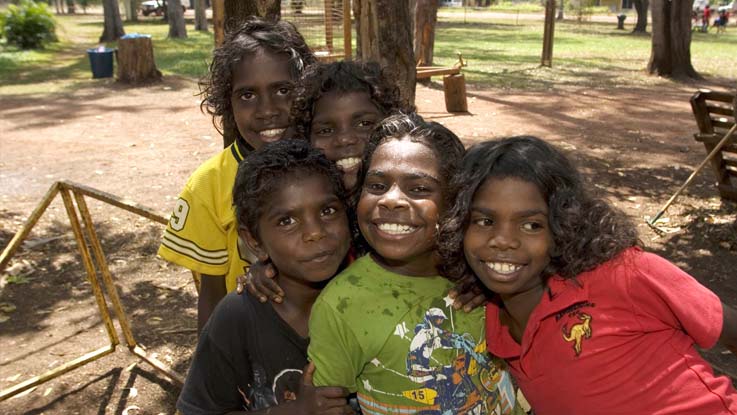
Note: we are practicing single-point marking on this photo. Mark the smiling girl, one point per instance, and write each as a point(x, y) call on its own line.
point(588, 321)
point(385, 327)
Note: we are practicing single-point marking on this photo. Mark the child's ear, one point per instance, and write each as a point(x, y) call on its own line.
point(253, 244)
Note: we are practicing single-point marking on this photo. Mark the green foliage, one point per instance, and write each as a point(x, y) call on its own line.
point(28, 25)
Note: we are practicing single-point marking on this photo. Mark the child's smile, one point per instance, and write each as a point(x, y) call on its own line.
point(508, 241)
point(400, 205)
point(341, 127)
point(261, 97)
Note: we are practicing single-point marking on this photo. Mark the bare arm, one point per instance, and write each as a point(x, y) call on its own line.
point(212, 290)
point(729, 329)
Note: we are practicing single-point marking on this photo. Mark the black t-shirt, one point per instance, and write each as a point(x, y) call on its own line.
point(247, 358)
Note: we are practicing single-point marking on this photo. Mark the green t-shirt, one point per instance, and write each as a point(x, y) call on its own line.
point(398, 342)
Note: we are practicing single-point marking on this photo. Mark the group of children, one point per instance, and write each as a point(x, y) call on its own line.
point(366, 216)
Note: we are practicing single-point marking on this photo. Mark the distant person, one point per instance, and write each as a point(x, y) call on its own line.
point(705, 19)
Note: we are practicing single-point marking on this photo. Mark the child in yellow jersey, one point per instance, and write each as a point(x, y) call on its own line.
point(250, 87)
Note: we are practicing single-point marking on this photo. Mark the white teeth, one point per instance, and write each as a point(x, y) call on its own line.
point(274, 132)
point(503, 267)
point(395, 228)
point(348, 162)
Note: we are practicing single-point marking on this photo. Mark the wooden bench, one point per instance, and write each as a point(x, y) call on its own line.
point(715, 114)
point(454, 83)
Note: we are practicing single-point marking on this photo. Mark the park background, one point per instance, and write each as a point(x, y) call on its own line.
point(631, 133)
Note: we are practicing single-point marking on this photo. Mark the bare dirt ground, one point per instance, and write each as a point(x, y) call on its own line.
point(635, 144)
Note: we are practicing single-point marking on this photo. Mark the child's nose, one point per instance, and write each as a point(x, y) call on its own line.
point(313, 231)
point(394, 198)
point(503, 239)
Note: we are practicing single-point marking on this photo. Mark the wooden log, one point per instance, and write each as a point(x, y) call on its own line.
point(136, 60)
point(455, 93)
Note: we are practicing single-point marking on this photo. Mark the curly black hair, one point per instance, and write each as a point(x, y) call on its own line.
point(586, 229)
point(253, 35)
point(343, 77)
point(262, 172)
point(446, 146)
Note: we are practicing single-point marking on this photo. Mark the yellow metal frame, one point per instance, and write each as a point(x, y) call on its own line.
point(74, 194)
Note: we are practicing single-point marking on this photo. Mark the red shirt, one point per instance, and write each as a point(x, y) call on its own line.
point(619, 340)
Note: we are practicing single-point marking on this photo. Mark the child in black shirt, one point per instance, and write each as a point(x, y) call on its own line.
point(289, 202)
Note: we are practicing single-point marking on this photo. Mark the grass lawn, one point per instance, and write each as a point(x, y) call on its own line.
point(500, 53)
point(506, 53)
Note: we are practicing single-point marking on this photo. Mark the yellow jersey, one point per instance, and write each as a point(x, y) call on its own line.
point(202, 234)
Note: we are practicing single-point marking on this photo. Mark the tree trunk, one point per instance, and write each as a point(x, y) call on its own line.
point(113, 24)
point(356, 5)
point(177, 28)
point(136, 61)
point(548, 34)
point(382, 40)
point(670, 55)
point(200, 16)
point(641, 7)
point(236, 11)
point(561, 8)
point(426, 17)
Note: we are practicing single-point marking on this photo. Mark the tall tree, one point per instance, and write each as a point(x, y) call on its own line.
point(381, 39)
point(175, 14)
point(561, 10)
point(239, 10)
point(641, 7)
point(200, 16)
point(670, 55)
point(426, 17)
point(131, 10)
point(113, 25)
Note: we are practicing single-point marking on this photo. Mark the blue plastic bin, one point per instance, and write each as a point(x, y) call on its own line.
point(101, 62)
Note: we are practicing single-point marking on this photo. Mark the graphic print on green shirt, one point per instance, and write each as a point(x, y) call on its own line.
point(398, 342)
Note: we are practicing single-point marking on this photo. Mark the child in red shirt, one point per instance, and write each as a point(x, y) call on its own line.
point(588, 322)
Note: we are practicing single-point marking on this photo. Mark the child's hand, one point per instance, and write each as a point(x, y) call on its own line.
point(468, 294)
point(311, 400)
point(259, 281)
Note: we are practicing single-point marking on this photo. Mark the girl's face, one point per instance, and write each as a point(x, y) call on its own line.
point(261, 97)
point(399, 207)
point(340, 127)
point(508, 242)
point(304, 229)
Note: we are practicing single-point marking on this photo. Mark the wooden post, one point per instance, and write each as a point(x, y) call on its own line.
point(455, 93)
point(136, 60)
point(329, 25)
point(347, 37)
point(547, 57)
point(218, 21)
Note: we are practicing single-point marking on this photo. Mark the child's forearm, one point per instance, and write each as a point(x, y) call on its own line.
point(729, 328)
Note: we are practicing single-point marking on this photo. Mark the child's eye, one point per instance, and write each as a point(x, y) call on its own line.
point(329, 211)
point(375, 187)
point(421, 189)
point(283, 91)
point(366, 123)
point(285, 221)
point(247, 96)
point(483, 222)
point(532, 226)
point(324, 131)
